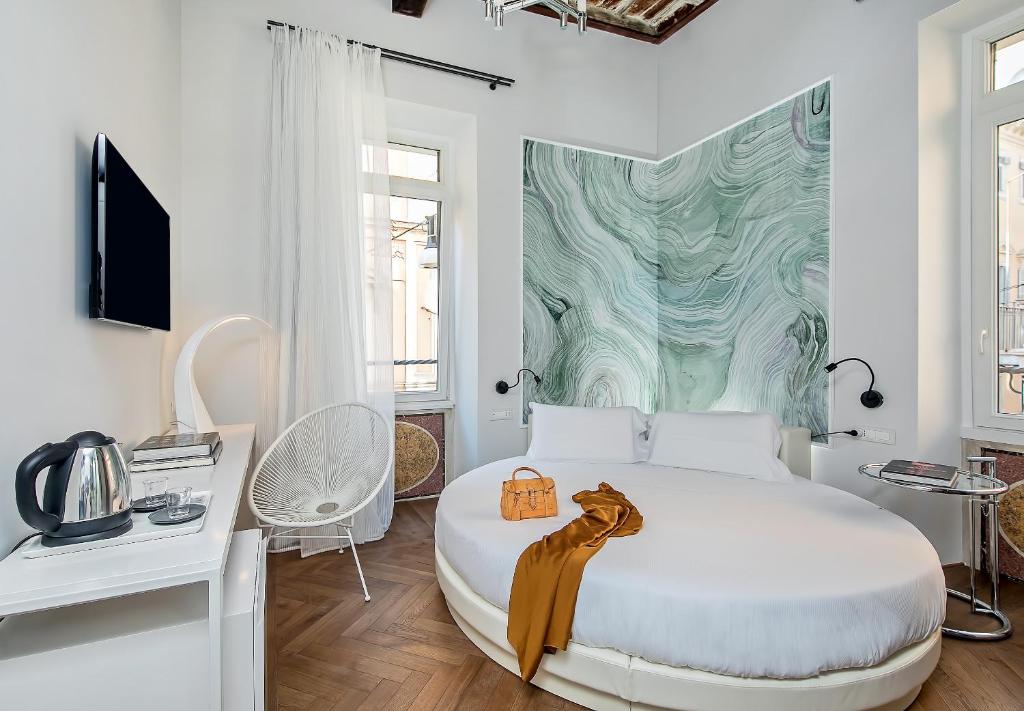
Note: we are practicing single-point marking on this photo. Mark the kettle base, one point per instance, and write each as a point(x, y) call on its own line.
point(55, 542)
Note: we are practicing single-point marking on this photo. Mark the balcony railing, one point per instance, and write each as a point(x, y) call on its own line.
point(1011, 328)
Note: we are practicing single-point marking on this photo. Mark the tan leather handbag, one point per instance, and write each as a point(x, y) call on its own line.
point(528, 498)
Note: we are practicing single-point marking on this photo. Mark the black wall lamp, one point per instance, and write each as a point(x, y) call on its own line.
point(502, 387)
point(870, 398)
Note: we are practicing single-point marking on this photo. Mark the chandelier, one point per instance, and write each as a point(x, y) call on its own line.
point(577, 9)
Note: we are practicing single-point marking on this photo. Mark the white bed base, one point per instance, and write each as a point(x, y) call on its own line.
point(607, 680)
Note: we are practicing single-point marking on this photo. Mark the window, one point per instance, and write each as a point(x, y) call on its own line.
point(994, 137)
point(1009, 238)
point(414, 263)
point(1008, 61)
point(418, 229)
point(414, 162)
point(432, 166)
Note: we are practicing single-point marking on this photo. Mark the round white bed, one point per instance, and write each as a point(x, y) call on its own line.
point(737, 593)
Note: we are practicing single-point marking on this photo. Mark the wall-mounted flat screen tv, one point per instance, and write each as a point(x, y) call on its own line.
point(131, 245)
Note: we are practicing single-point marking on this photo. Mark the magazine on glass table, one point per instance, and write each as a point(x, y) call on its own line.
point(919, 473)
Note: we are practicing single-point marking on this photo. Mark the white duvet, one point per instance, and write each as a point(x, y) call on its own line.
point(729, 575)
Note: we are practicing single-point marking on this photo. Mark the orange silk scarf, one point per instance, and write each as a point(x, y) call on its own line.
point(548, 575)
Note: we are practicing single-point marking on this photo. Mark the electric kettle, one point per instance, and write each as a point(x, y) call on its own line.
point(87, 495)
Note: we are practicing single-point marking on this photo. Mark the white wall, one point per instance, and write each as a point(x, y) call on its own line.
point(599, 91)
point(939, 263)
point(69, 70)
point(751, 54)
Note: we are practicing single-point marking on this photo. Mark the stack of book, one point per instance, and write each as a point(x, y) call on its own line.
point(900, 470)
point(176, 451)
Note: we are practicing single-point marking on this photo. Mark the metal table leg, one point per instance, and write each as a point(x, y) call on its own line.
point(991, 548)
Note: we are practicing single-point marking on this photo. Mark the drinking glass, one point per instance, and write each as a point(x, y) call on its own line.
point(156, 490)
point(178, 501)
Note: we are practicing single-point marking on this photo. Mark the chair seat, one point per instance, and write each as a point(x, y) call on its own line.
point(313, 510)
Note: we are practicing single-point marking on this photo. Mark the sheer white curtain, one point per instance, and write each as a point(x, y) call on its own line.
point(327, 244)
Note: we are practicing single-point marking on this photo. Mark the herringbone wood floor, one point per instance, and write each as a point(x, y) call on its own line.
point(330, 651)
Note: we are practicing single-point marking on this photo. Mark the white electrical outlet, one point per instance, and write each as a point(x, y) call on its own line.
point(501, 415)
point(879, 435)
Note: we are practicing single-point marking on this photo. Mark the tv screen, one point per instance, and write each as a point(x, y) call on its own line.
point(131, 245)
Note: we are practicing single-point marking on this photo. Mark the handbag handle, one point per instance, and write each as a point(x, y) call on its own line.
point(526, 469)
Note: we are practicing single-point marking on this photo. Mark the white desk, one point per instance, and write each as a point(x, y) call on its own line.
point(87, 576)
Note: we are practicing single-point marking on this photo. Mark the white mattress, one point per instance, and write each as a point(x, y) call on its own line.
point(729, 575)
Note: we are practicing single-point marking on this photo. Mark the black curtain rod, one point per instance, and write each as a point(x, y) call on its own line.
point(493, 80)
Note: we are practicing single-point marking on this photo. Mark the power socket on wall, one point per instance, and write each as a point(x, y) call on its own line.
point(879, 435)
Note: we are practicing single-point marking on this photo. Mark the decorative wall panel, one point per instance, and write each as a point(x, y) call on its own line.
point(419, 455)
point(1009, 468)
point(697, 283)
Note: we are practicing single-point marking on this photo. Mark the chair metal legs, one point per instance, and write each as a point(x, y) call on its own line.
point(347, 535)
point(362, 578)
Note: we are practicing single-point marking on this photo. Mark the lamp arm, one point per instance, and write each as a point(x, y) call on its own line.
point(866, 365)
point(189, 409)
point(502, 387)
point(519, 377)
point(870, 398)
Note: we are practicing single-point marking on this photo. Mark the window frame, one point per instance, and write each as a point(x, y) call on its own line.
point(991, 86)
point(443, 192)
point(984, 110)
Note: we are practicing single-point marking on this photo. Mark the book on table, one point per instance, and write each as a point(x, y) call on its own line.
point(901, 470)
point(176, 446)
point(178, 463)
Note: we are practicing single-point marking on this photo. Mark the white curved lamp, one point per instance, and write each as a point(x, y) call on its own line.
point(189, 409)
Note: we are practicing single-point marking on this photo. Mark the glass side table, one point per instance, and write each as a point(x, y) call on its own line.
point(982, 492)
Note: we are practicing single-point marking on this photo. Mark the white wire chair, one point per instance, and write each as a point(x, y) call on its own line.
point(321, 471)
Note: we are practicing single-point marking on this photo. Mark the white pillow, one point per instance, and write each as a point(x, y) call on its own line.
point(740, 443)
point(588, 434)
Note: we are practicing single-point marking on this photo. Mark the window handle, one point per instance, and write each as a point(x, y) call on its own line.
point(981, 341)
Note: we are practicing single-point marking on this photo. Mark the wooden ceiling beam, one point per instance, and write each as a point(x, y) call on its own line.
point(593, 24)
point(684, 16)
point(412, 8)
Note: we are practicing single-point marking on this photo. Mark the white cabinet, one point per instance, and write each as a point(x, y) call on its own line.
point(145, 651)
point(243, 629)
point(119, 573)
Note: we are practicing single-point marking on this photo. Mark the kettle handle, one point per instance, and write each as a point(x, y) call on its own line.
point(25, 483)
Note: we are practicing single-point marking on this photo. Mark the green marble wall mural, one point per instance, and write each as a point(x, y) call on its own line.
point(697, 283)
